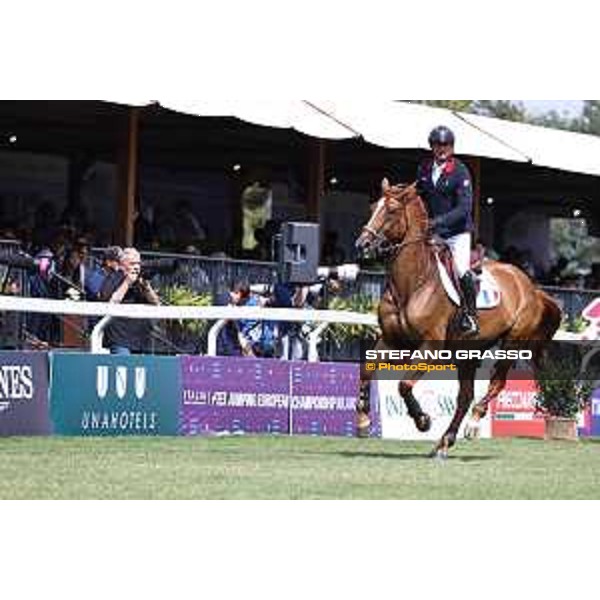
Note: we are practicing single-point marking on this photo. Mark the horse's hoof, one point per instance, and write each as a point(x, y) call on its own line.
point(363, 426)
point(423, 422)
point(472, 430)
point(442, 454)
point(438, 454)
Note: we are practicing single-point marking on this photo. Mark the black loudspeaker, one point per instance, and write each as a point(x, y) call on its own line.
point(299, 252)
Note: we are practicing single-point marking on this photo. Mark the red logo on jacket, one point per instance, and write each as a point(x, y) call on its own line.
point(449, 167)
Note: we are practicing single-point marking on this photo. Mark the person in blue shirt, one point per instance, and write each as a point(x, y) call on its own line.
point(95, 276)
point(444, 183)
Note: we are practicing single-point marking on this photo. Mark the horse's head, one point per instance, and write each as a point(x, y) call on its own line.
point(393, 215)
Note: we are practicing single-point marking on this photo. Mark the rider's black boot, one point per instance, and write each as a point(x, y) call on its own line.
point(469, 322)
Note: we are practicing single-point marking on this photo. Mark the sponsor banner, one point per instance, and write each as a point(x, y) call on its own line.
point(436, 396)
point(114, 395)
point(234, 395)
point(584, 422)
point(595, 414)
point(324, 399)
point(224, 395)
point(513, 412)
point(24, 394)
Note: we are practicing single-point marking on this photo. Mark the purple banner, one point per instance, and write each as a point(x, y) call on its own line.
point(594, 429)
point(24, 394)
point(243, 395)
point(234, 395)
point(324, 398)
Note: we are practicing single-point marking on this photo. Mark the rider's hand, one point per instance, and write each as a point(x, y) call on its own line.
point(433, 227)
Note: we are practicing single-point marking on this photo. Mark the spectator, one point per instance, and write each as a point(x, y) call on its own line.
point(10, 322)
point(73, 277)
point(127, 286)
point(42, 326)
point(95, 277)
point(256, 337)
point(228, 342)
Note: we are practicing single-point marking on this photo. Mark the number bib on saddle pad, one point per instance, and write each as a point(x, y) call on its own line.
point(488, 290)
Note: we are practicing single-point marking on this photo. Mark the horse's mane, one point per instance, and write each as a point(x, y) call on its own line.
point(406, 193)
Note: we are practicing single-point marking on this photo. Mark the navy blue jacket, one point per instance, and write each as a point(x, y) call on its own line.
point(449, 202)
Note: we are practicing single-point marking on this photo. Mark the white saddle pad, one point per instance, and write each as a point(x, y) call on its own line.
point(489, 290)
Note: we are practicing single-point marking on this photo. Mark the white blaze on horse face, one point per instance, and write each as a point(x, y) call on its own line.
point(377, 218)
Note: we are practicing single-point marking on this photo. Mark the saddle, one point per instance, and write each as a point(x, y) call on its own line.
point(488, 290)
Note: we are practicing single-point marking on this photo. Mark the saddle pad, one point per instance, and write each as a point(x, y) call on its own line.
point(488, 289)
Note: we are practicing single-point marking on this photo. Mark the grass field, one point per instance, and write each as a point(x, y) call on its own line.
point(293, 468)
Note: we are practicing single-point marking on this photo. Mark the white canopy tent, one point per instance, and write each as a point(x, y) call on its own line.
point(554, 148)
point(404, 125)
point(293, 114)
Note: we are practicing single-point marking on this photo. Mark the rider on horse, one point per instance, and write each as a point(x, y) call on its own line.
point(444, 183)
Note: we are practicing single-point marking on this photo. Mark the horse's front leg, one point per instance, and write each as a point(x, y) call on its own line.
point(405, 387)
point(466, 377)
point(416, 413)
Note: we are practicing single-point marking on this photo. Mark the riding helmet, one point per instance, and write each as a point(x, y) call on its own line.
point(441, 135)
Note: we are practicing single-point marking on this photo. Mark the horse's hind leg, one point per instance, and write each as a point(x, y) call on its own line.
point(466, 375)
point(497, 384)
point(363, 403)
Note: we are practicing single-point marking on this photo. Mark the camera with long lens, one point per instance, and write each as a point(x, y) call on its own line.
point(25, 262)
point(346, 273)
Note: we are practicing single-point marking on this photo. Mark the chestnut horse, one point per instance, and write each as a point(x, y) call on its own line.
point(415, 310)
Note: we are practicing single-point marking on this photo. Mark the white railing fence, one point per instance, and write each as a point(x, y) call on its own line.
point(320, 319)
point(220, 314)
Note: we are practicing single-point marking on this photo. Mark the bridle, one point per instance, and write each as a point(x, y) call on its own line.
point(389, 250)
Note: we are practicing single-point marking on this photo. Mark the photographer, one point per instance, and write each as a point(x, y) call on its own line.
point(40, 269)
point(329, 282)
point(256, 337)
point(127, 286)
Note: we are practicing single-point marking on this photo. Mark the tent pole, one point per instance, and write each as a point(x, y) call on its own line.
point(127, 172)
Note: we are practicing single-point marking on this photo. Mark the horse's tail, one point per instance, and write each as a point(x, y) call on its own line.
point(548, 324)
point(550, 318)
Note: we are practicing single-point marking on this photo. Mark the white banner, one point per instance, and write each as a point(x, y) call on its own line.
point(436, 397)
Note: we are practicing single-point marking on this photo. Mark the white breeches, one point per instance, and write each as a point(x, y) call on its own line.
point(461, 251)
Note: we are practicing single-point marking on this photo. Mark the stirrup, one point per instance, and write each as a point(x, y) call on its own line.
point(469, 325)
